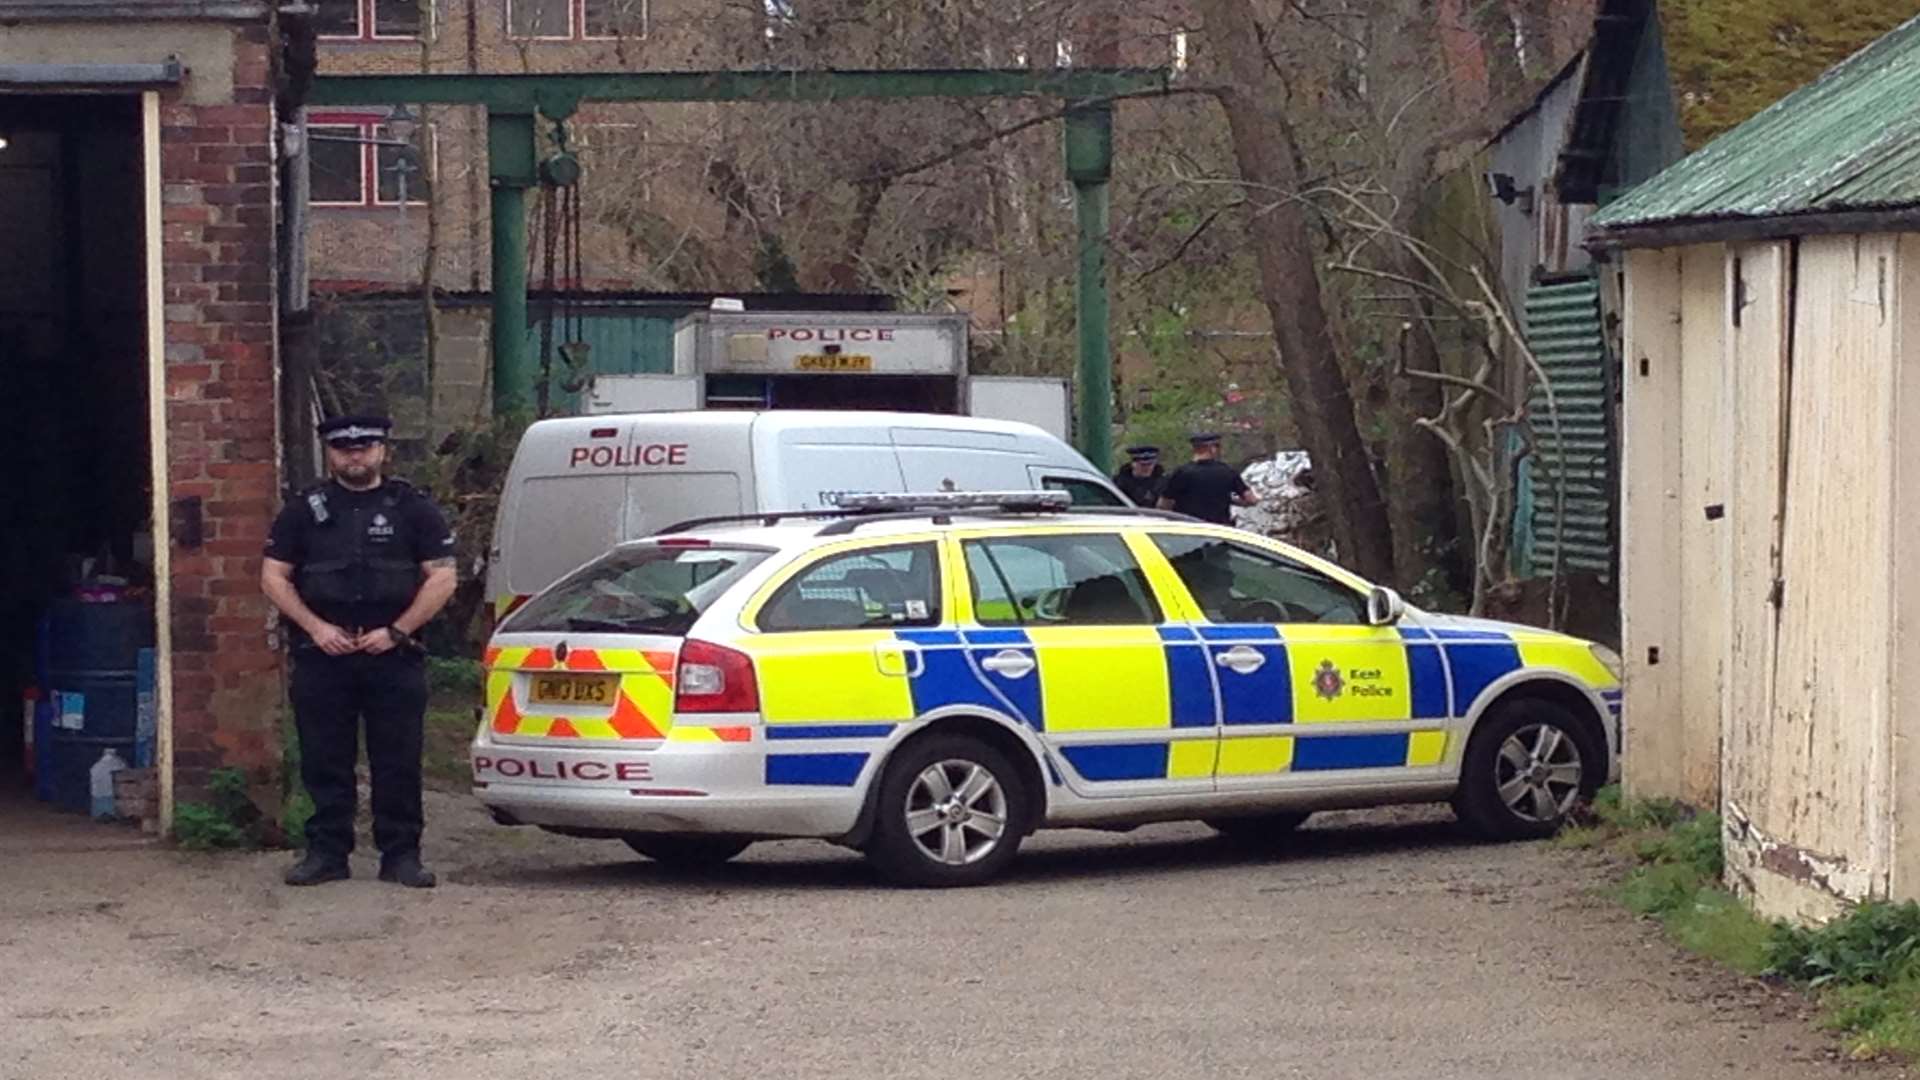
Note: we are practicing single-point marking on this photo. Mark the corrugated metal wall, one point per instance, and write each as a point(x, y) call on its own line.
point(1575, 457)
point(621, 342)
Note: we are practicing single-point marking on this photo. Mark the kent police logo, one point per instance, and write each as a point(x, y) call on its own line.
point(1327, 681)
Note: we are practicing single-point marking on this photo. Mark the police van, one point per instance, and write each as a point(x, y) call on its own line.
point(580, 485)
point(931, 677)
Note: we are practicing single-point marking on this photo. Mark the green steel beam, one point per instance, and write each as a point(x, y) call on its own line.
point(1089, 153)
point(558, 95)
point(511, 171)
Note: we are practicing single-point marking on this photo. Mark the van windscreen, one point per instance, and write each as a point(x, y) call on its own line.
point(636, 590)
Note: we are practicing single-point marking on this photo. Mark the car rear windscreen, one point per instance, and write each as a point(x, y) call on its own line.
point(636, 590)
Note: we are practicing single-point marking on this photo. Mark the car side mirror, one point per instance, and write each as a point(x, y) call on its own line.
point(1384, 607)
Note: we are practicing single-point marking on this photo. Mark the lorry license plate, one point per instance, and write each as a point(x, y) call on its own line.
point(574, 689)
point(833, 362)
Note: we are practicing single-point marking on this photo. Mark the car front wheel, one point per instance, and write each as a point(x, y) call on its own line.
point(1525, 768)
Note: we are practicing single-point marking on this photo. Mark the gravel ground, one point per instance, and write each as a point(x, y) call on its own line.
point(1381, 946)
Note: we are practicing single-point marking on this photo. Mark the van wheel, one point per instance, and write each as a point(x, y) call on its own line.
point(1524, 769)
point(951, 812)
point(1263, 831)
point(686, 852)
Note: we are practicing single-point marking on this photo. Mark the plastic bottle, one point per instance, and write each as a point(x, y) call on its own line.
point(100, 780)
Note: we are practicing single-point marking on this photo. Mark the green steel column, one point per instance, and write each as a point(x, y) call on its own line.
point(510, 159)
point(1089, 140)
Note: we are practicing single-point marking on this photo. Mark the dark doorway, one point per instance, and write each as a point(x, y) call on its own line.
point(75, 499)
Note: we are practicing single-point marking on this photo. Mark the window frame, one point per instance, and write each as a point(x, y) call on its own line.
point(1157, 613)
point(367, 26)
point(367, 127)
point(1287, 561)
point(936, 617)
point(577, 29)
point(1118, 501)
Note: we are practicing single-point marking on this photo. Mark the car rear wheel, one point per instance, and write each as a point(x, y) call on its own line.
point(1259, 831)
point(687, 852)
point(951, 812)
point(1525, 768)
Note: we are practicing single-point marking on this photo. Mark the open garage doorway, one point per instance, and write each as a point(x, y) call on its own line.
point(77, 536)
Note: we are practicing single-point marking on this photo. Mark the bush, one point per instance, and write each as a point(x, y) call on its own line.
point(454, 676)
point(228, 819)
point(1874, 944)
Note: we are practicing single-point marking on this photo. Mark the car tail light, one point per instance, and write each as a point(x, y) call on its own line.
point(713, 679)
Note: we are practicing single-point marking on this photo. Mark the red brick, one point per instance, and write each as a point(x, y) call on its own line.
point(251, 174)
point(246, 293)
point(229, 114)
point(254, 134)
point(233, 154)
point(184, 253)
point(237, 194)
point(238, 313)
point(187, 214)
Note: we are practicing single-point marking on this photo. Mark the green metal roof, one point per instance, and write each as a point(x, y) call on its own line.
point(1849, 141)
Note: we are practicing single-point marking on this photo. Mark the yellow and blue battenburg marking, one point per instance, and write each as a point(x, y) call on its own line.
point(1234, 701)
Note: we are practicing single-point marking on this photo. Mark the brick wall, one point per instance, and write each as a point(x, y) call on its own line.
point(219, 286)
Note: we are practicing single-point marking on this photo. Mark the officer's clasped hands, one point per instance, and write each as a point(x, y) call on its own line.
point(336, 642)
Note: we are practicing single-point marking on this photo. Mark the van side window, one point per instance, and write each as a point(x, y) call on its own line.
point(1082, 492)
point(876, 588)
point(1077, 580)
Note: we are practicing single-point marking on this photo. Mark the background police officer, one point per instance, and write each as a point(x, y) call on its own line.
point(1206, 488)
point(358, 565)
point(1142, 477)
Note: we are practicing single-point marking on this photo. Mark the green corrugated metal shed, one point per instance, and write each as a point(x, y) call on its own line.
point(1849, 141)
point(1567, 482)
point(622, 341)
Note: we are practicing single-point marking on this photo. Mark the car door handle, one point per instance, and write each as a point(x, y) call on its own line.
point(1241, 659)
point(1009, 662)
point(899, 659)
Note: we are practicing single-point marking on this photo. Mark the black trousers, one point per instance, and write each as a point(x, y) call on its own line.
point(331, 696)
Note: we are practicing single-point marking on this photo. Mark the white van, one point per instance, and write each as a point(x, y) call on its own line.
point(581, 484)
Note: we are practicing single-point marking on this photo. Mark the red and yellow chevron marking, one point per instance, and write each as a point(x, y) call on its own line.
point(642, 708)
point(507, 604)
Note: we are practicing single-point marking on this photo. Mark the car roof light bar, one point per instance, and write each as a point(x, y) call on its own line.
point(883, 503)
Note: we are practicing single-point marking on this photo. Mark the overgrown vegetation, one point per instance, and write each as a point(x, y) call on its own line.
point(228, 819)
point(1864, 966)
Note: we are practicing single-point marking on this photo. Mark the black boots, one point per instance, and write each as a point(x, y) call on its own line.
point(317, 869)
point(400, 870)
point(406, 870)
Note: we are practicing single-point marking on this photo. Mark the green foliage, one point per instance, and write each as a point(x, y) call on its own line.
point(1879, 1020)
point(296, 805)
point(1874, 944)
point(228, 819)
point(1731, 60)
point(1866, 964)
point(1694, 844)
point(449, 732)
point(454, 677)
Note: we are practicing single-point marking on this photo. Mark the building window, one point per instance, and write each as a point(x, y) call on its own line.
point(368, 20)
point(358, 160)
point(577, 20)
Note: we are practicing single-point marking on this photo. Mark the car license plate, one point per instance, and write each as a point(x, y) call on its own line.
point(573, 689)
point(833, 362)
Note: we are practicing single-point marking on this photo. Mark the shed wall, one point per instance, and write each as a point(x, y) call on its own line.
point(1904, 755)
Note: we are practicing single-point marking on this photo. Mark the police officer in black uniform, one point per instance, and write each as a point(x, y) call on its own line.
point(358, 565)
point(1206, 488)
point(1142, 477)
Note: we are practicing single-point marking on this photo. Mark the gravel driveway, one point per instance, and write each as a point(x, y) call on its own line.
point(1382, 946)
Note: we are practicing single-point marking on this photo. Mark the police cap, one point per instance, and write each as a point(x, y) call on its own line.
point(1203, 438)
point(349, 432)
point(1144, 453)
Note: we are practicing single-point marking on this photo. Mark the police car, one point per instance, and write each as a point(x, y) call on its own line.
point(930, 678)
